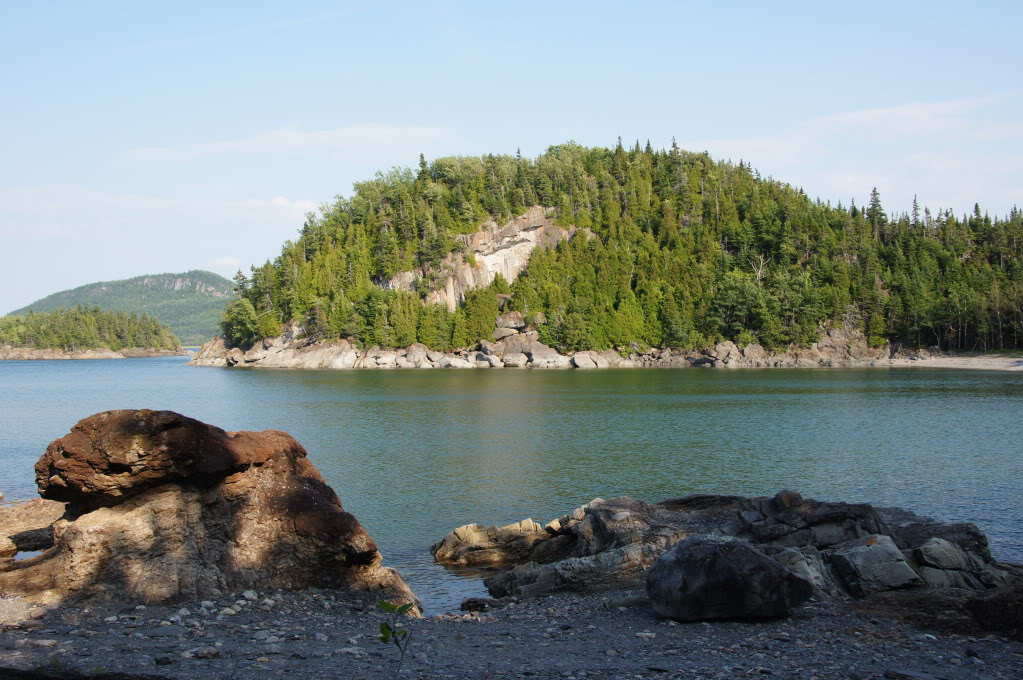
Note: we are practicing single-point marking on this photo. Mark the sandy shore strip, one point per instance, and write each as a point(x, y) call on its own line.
point(982, 362)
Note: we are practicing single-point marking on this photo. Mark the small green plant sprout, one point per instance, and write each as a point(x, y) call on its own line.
point(392, 631)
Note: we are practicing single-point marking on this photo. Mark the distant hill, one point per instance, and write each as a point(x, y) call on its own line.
point(189, 303)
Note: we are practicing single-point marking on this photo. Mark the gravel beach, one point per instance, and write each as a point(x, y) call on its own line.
point(323, 634)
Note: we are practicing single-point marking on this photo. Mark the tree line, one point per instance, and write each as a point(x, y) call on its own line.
point(81, 327)
point(677, 249)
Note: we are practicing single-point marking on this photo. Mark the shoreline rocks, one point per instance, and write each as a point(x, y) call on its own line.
point(8, 353)
point(841, 550)
point(517, 345)
point(157, 507)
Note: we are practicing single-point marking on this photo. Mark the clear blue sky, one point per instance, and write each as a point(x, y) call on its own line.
point(143, 137)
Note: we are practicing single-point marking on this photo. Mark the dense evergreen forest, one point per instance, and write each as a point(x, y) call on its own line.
point(85, 328)
point(681, 251)
point(190, 303)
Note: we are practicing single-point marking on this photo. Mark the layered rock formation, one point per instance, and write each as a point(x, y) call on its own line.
point(842, 549)
point(162, 508)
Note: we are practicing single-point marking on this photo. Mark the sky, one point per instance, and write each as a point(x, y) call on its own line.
point(142, 138)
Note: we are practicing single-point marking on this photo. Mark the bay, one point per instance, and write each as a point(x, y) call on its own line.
point(414, 453)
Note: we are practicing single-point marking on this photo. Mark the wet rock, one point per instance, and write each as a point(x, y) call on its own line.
point(718, 577)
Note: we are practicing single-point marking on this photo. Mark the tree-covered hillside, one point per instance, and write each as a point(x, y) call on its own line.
point(85, 328)
point(190, 303)
point(688, 251)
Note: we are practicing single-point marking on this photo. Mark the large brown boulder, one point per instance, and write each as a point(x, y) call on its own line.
point(168, 508)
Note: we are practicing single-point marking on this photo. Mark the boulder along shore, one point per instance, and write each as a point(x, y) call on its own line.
point(517, 345)
point(163, 547)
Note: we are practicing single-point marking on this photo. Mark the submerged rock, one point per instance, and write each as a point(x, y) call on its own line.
point(164, 508)
point(718, 577)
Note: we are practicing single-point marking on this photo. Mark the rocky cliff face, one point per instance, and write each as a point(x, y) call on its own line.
point(496, 249)
point(164, 508)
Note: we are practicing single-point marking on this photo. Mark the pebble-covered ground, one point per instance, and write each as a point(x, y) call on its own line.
point(320, 634)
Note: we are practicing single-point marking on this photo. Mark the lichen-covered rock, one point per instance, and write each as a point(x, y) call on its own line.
point(718, 577)
point(167, 508)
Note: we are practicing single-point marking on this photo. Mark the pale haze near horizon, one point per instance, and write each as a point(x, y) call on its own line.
point(140, 139)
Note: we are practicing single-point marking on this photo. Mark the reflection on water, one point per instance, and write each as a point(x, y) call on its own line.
point(415, 453)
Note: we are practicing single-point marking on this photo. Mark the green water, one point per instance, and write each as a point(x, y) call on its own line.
point(416, 453)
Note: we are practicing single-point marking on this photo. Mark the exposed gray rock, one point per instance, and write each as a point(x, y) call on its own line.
point(872, 564)
point(718, 577)
point(454, 362)
point(515, 360)
point(417, 353)
point(502, 333)
point(584, 360)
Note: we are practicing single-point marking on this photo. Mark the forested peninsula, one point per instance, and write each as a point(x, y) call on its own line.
point(189, 303)
point(84, 333)
point(639, 249)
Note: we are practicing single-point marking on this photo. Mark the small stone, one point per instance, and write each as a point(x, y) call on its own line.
point(263, 659)
point(44, 643)
point(320, 637)
point(354, 651)
point(110, 619)
point(207, 653)
point(271, 649)
point(250, 595)
point(227, 611)
point(37, 612)
point(269, 602)
point(208, 604)
point(646, 635)
point(163, 660)
point(184, 612)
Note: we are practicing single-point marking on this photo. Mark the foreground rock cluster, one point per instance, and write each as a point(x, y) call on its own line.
point(517, 344)
point(152, 506)
point(710, 557)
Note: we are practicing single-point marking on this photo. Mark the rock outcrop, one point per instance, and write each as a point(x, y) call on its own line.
point(841, 549)
point(163, 508)
point(518, 345)
point(718, 577)
point(494, 249)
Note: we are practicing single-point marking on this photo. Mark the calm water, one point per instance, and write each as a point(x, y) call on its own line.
point(415, 453)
